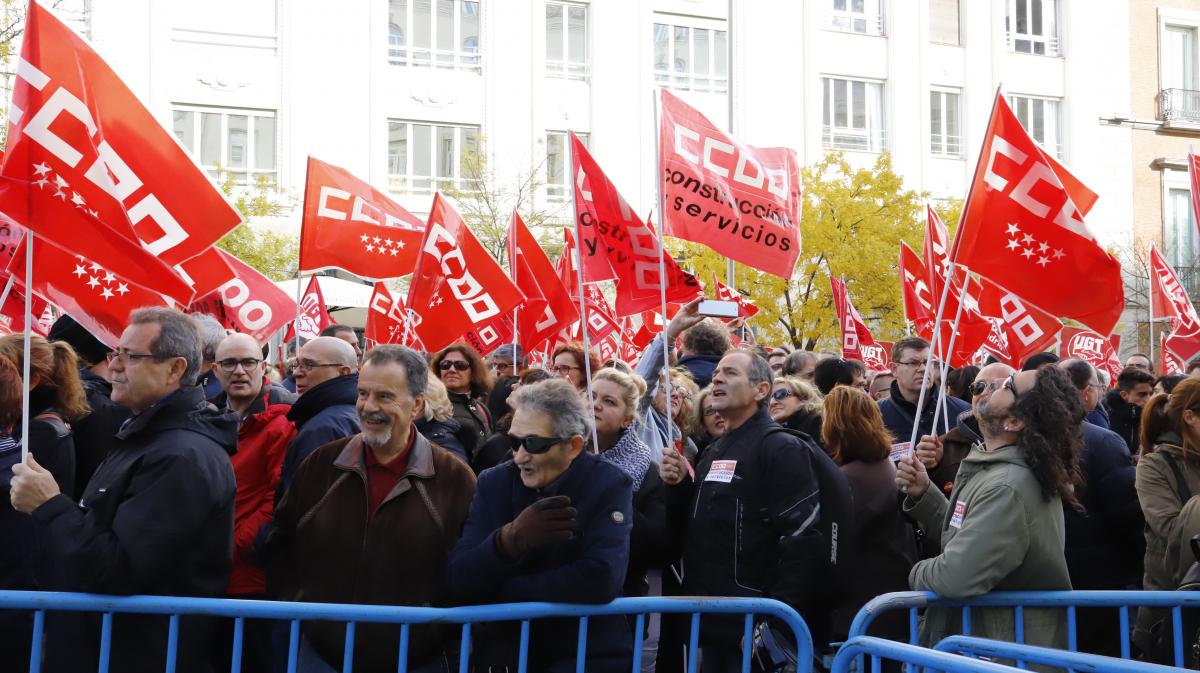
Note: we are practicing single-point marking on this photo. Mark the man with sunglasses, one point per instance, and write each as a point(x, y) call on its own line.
point(264, 432)
point(552, 525)
point(157, 515)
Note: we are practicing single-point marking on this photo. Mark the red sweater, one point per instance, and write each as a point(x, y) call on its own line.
point(263, 439)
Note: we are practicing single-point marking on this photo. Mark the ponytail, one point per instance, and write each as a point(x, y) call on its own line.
point(71, 399)
point(1154, 422)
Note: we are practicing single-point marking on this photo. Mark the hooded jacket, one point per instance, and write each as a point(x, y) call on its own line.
point(156, 518)
point(1125, 419)
point(263, 438)
point(997, 532)
point(700, 366)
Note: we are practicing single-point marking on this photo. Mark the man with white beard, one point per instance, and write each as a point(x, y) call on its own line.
point(381, 511)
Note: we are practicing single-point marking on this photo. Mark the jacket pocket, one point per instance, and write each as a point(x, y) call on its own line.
point(743, 573)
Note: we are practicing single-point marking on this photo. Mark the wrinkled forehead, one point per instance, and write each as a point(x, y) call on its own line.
point(735, 362)
point(994, 371)
point(239, 349)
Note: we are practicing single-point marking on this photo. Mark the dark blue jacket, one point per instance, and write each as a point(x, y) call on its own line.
point(899, 414)
point(156, 518)
point(322, 414)
point(1105, 543)
point(701, 367)
point(1098, 417)
point(590, 568)
point(444, 434)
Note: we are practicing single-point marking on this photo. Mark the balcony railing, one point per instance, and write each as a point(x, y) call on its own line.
point(1038, 45)
point(1179, 107)
point(856, 22)
point(856, 140)
point(1189, 278)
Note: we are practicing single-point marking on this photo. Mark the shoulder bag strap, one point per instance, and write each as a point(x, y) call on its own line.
point(1185, 493)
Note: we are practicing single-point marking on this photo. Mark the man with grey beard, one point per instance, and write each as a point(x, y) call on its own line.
point(381, 511)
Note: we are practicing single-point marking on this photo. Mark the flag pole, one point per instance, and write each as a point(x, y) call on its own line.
point(730, 269)
point(7, 289)
point(28, 333)
point(937, 323)
point(583, 323)
point(947, 353)
point(512, 270)
point(662, 273)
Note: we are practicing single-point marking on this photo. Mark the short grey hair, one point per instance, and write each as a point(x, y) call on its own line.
point(416, 370)
point(178, 337)
point(211, 334)
point(797, 361)
point(559, 401)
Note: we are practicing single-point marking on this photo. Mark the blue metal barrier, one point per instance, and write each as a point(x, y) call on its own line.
point(1031, 654)
point(240, 610)
point(913, 601)
point(880, 648)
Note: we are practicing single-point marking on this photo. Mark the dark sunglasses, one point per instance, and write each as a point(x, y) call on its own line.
point(781, 394)
point(535, 444)
point(460, 365)
point(979, 387)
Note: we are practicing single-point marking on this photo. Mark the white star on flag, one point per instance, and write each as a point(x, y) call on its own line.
point(370, 248)
point(93, 282)
point(96, 267)
point(394, 252)
point(41, 169)
point(400, 244)
point(1029, 239)
point(61, 182)
point(1042, 247)
point(106, 293)
point(364, 238)
point(1013, 244)
point(390, 242)
point(1058, 254)
point(1027, 253)
point(60, 194)
point(80, 271)
point(122, 288)
point(42, 183)
point(1013, 230)
point(77, 200)
point(377, 240)
point(109, 277)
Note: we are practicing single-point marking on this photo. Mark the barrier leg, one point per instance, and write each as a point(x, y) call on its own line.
point(1072, 636)
point(747, 643)
point(464, 649)
point(693, 643)
point(1177, 629)
point(523, 656)
point(402, 667)
point(35, 645)
point(638, 625)
point(293, 645)
point(105, 640)
point(581, 649)
point(348, 650)
point(235, 654)
point(172, 643)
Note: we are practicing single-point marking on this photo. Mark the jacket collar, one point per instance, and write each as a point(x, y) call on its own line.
point(1006, 454)
point(420, 459)
point(340, 390)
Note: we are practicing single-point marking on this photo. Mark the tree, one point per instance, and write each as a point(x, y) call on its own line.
point(275, 255)
point(852, 224)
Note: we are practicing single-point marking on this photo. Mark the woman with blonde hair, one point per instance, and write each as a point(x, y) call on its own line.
point(884, 545)
point(438, 424)
point(56, 398)
point(1168, 487)
point(795, 403)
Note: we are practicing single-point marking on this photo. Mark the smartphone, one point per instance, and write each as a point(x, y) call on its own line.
point(718, 309)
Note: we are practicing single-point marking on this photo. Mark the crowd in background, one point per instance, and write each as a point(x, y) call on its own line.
point(182, 463)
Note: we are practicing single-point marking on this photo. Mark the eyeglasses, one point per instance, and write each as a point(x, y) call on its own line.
point(460, 365)
point(917, 363)
point(493, 365)
point(534, 444)
point(563, 369)
point(126, 356)
point(305, 365)
point(781, 394)
point(1010, 384)
point(980, 387)
point(231, 364)
point(709, 411)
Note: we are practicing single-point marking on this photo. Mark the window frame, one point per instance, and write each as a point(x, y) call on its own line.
point(945, 153)
point(957, 25)
point(566, 68)
point(1058, 147)
point(401, 55)
point(407, 182)
point(687, 81)
point(559, 191)
point(223, 164)
point(1051, 44)
point(873, 139)
point(843, 20)
point(1176, 180)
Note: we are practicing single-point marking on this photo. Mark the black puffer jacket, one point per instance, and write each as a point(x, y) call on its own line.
point(156, 518)
point(473, 416)
point(96, 432)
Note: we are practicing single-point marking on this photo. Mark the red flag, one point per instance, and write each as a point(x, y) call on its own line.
point(877, 356)
point(601, 318)
point(90, 169)
point(207, 271)
point(95, 297)
point(726, 293)
point(313, 316)
point(456, 285)
point(914, 286)
point(10, 238)
point(1091, 347)
point(1168, 299)
point(630, 246)
point(1171, 364)
point(973, 328)
point(548, 306)
point(1024, 328)
point(1194, 176)
point(12, 313)
point(250, 302)
point(350, 225)
point(385, 317)
point(1022, 227)
point(854, 330)
point(741, 201)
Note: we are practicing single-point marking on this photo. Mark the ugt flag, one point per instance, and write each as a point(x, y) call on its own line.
point(741, 201)
point(1168, 299)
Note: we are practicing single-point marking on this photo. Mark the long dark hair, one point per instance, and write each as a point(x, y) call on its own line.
point(1053, 436)
point(481, 380)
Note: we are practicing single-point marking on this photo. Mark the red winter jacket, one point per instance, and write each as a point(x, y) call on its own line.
point(263, 439)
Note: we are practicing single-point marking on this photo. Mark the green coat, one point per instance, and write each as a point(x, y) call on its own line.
point(1005, 536)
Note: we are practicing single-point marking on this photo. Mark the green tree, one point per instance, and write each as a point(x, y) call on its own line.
point(852, 224)
point(275, 255)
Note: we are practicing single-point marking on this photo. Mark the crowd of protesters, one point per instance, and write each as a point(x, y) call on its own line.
point(182, 464)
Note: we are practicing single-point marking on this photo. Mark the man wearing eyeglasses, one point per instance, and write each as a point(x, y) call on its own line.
point(506, 360)
point(157, 515)
point(264, 432)
point(910, 357)
point(372, 519)
point(553, 525)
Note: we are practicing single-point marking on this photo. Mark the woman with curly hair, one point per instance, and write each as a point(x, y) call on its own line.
point(1168, 487)
point(467, 382)
point(1002, 528)
point(571, 363)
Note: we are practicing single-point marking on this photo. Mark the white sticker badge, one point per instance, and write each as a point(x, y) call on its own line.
point(960, 510)
point(722, 471)
point(900, 451)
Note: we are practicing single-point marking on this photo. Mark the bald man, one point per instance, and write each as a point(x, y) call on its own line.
point(264, 433)
point(326, 375)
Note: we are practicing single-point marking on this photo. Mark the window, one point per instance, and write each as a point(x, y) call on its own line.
point(945, 139)
point(434, 34)
point(690, 58)
point(1179, 224)
point(566, 40)
point(856, 16)
point(423, 157)
point(943, 22)
point(853, 115)
point(558, 179)
point(1179, 102)
point(1033, 26)
point(1039, 116)
point(239, 141)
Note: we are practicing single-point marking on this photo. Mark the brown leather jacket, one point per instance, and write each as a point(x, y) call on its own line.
point(324, 549)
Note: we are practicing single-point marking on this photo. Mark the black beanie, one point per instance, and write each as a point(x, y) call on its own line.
point(89, 349)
